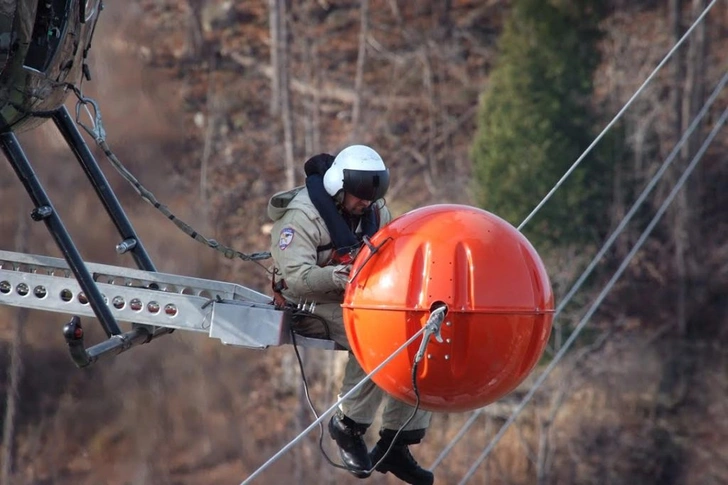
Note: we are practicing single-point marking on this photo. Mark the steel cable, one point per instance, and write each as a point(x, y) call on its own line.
point(610, 241)
point(634, 208)
point(585, 319)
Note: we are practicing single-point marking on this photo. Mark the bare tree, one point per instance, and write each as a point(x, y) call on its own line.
point(686, 103)
point(429, 81)
point(693, 99)
point(274, 16)
point(195, 36)
point(360, 61)
point(300, 467)
point(312, 100)
point(280, 82)
point(679, 220)
point(211, 120)
point(286, 108)
point(15, 372)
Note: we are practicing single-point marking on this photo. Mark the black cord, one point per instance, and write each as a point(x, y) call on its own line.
point(399, 431)
point(321, 426)
point(307, 314)
point(310, 403)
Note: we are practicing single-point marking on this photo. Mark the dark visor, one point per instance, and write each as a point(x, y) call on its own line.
point(366, 184)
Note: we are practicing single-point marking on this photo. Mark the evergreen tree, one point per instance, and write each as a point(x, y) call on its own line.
point(534, 120)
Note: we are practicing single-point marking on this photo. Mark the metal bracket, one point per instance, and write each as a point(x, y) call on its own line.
point(432, 327)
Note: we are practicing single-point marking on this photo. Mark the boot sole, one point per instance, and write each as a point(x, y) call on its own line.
point(385, 470)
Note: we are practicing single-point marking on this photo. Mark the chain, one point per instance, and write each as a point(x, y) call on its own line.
point(96, 130)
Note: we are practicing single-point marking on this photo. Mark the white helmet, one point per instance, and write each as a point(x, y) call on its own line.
point(359, 171)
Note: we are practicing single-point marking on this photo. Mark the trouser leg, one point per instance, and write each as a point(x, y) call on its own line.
point(357, 412)
point(363, 404)
point(396, 413)
point(350, 422)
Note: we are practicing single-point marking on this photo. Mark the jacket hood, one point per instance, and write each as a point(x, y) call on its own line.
point(289, 199)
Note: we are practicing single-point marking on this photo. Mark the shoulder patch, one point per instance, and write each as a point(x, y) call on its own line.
point(285, 238)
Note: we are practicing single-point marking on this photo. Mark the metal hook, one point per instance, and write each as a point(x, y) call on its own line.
point(97, 131)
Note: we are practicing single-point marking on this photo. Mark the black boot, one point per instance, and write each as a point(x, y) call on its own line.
point(399, 460)
point(348, 436)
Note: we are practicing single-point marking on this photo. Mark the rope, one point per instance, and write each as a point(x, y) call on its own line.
point(645, 192)
point(617, 117)
point(643, 237)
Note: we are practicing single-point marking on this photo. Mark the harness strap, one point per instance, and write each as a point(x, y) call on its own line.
point(278, 286)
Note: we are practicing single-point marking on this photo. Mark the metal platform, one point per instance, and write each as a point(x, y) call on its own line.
point(234, 314)
point(154, 303)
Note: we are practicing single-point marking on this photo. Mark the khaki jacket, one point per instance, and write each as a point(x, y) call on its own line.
point(297, 232)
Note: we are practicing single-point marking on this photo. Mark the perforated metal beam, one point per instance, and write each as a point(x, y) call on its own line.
point(232, 313)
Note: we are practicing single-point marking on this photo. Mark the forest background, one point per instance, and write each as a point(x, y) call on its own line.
point(214, 105)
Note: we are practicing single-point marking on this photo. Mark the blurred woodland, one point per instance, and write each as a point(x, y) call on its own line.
point(214, 105)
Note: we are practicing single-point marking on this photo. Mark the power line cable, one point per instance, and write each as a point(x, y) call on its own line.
point(535, 210)
point(577, 285)
point(585, 319)
point(617, 117)
point(645, 192)
point(607, 245)
point(318, 420)
point(463, 429)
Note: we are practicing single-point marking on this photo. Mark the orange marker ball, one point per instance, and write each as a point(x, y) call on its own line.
point(495, 288)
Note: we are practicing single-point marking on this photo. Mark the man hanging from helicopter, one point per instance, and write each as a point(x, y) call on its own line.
point(316, 233)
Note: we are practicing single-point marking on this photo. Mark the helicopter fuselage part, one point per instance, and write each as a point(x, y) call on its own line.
point(43, 46)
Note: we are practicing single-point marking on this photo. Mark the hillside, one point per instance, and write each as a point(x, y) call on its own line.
point(186, 90)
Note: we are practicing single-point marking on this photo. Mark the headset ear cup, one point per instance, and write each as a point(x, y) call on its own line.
point(334, 179)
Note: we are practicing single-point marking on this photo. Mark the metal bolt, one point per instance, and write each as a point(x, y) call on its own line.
point(118, 302)
point(40, 291)
point(135, 304)
point(447, 357)
point(126, 245)
point(22, 289)
point(447, 340)
point(429, 356)
point(40, 213)
point(448, 323)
